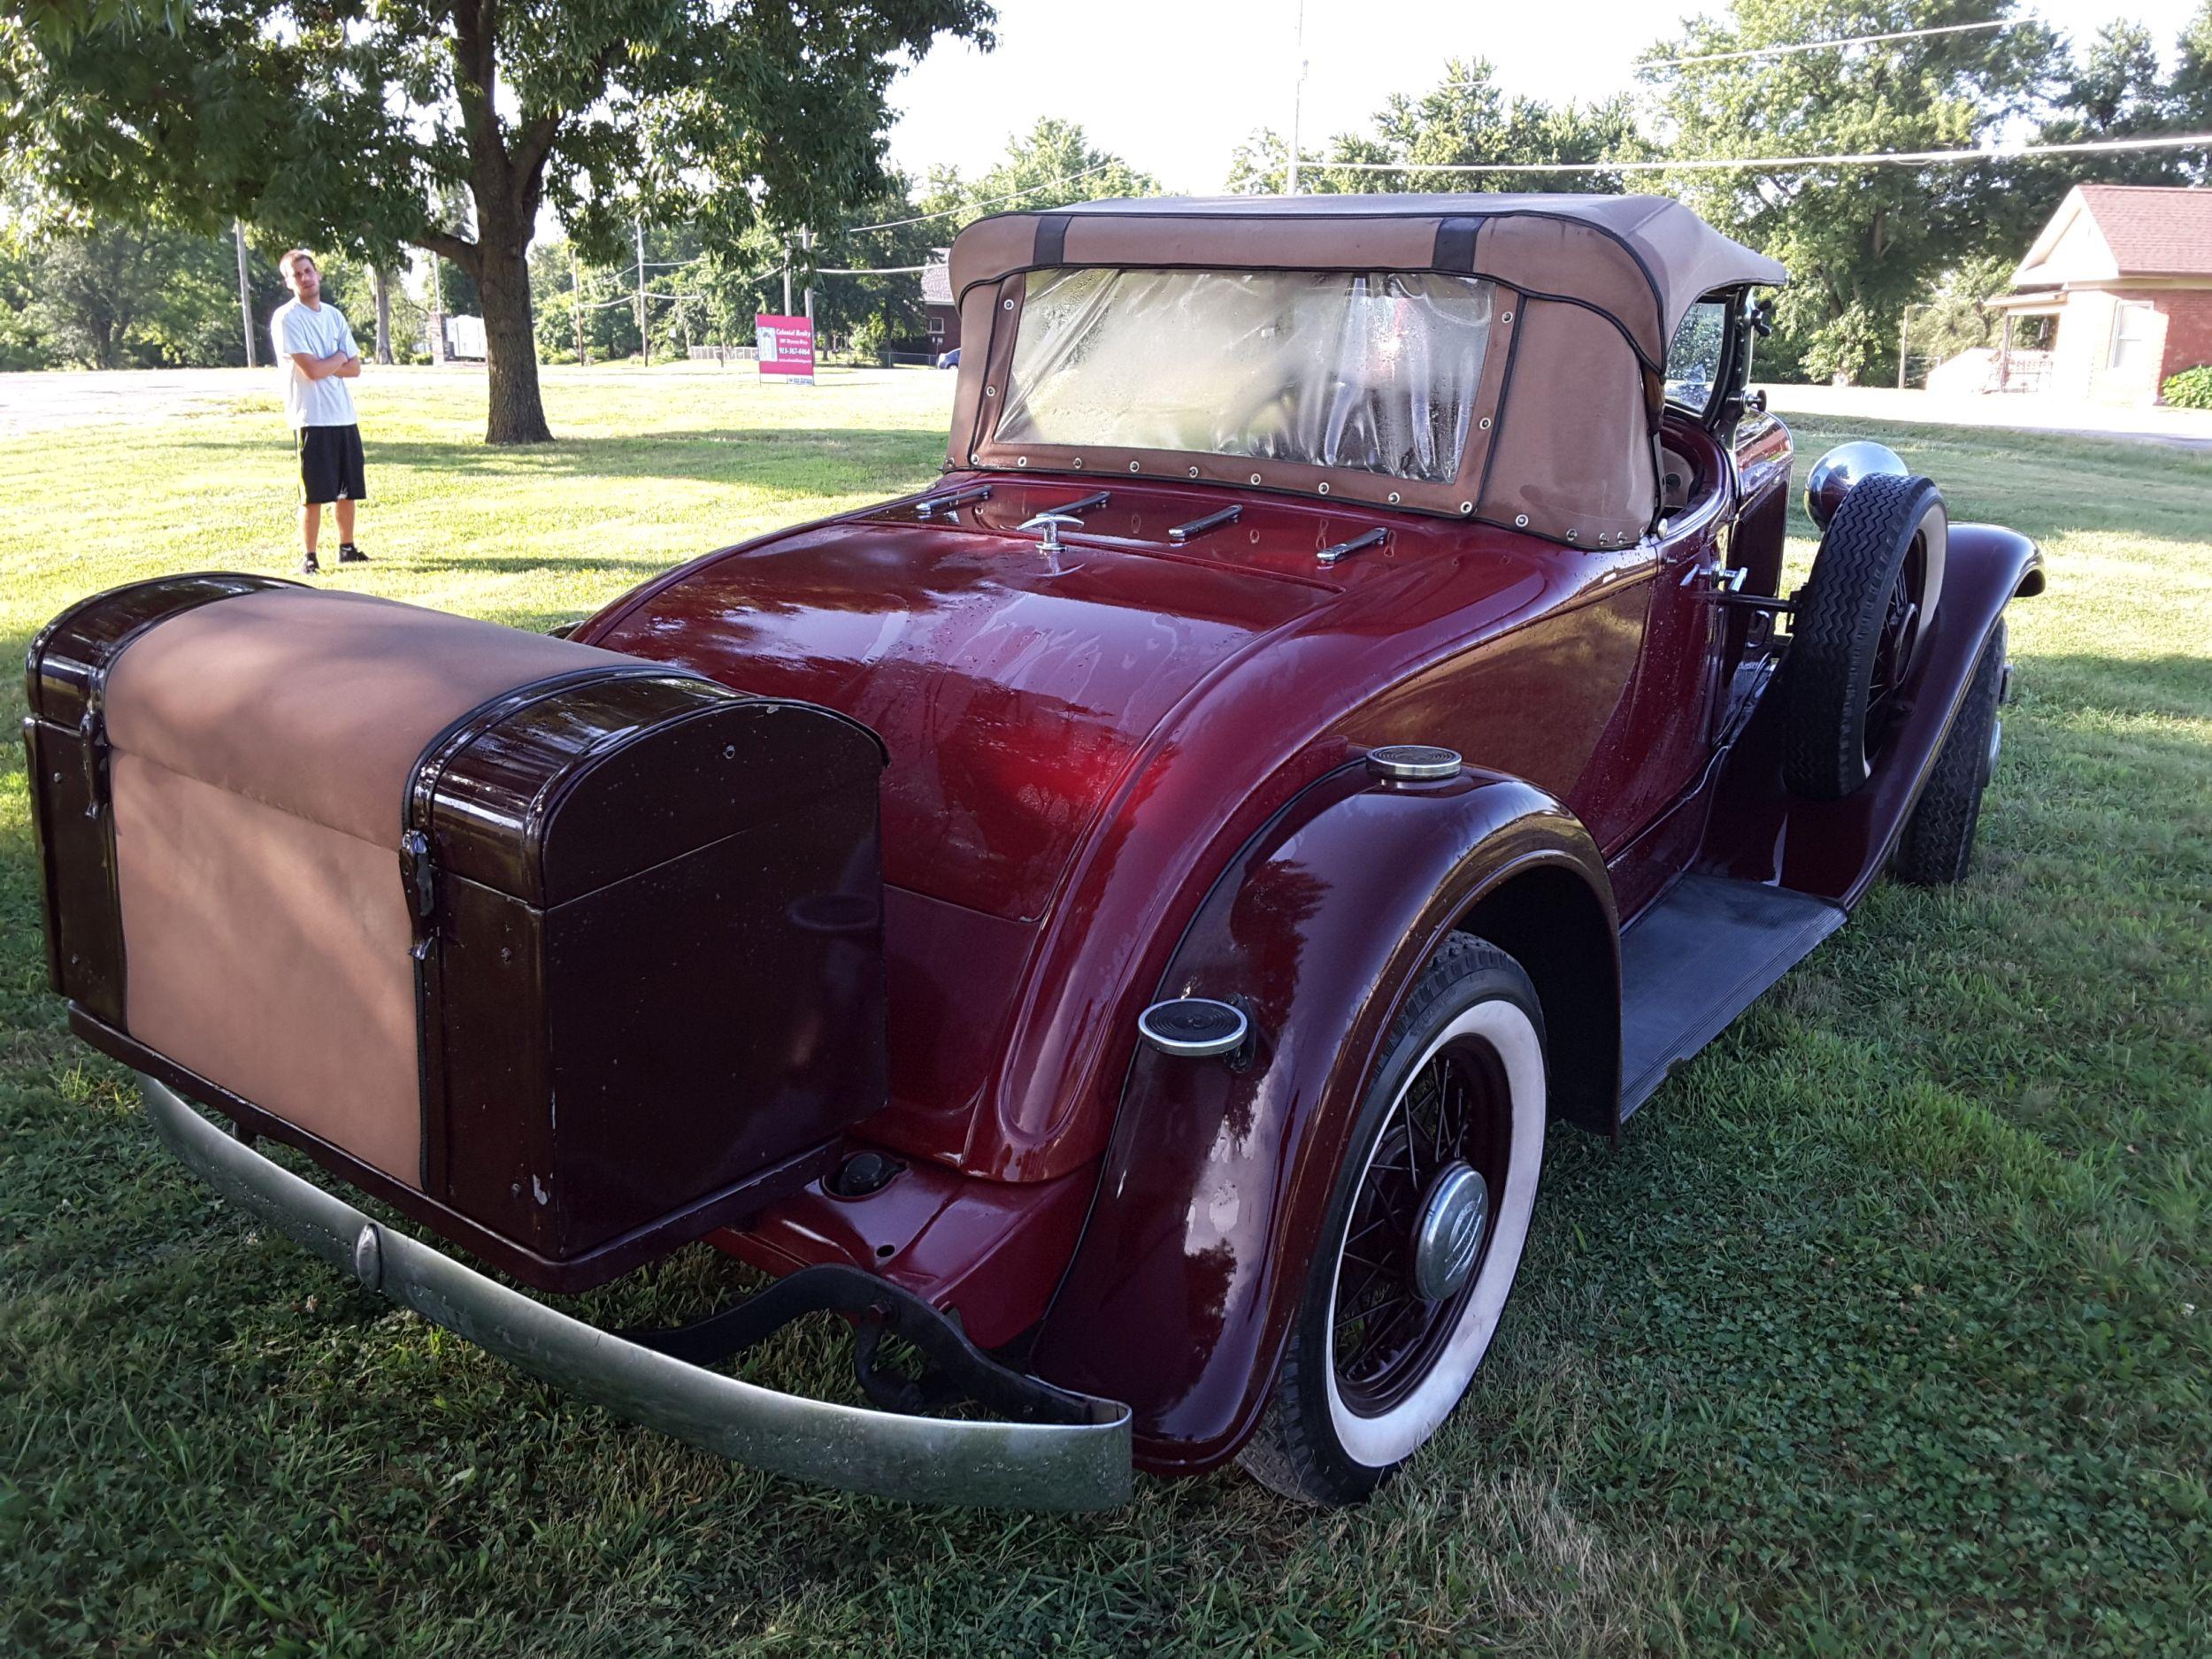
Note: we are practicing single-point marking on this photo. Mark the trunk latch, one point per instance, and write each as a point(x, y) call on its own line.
point(92, 742)
point(421, 878)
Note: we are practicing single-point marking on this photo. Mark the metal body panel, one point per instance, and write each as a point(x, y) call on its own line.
point(1079, 755)
point(991, 1251)
point(1219, 1170)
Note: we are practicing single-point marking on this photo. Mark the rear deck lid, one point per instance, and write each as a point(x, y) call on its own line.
point(1015, 701)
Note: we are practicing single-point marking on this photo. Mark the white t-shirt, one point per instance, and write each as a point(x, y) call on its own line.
point(317, 332)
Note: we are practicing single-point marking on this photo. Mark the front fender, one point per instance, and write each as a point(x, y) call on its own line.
point(1216, 1179)
point(1835, 850)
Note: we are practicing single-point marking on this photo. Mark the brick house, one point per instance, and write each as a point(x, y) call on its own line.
point(2123, 272)
point(944, 316)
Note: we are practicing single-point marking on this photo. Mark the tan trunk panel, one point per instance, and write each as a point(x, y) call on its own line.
point(269, 954)
point(315, 703)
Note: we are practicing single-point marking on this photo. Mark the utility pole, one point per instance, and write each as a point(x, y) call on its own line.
point(245, 291)
point(1297, 99)
point(806, 241)
point(576, 306)
point(1904, 334)
point(437, 311)
point(786, 282)
point(644, 340)
point(383, 287)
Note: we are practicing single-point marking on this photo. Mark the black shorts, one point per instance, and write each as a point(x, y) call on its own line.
point(330, 464)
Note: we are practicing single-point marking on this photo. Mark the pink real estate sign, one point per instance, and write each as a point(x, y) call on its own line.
point(787, 347)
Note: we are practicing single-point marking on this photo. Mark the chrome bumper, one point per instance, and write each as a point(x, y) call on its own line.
point(925, 1460)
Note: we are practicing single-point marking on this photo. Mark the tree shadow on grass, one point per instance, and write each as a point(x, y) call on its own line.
point(2169, 687)
point(638, 567)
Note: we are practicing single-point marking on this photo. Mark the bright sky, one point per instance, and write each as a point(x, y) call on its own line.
point(1174, 85)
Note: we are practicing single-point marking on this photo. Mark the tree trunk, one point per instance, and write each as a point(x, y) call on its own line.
point(383, 314)
point(510, 349)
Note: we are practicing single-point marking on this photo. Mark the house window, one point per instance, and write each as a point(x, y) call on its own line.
point(2133, 343)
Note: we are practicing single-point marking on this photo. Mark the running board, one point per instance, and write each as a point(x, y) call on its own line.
point(1699, 957)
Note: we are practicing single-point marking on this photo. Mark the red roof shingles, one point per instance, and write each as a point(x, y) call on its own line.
point(2154, 230)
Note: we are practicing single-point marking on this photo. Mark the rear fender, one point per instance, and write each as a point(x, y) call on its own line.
point(1199, 1241)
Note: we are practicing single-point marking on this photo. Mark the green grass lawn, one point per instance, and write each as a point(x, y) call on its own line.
point(1883, 1331)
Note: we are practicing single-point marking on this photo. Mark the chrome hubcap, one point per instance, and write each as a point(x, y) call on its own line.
point(1448, 1234)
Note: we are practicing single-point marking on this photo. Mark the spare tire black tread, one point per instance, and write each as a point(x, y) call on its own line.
point(1938, 842)
point(1832, 637)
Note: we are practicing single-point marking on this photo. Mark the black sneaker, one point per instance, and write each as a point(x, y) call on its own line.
point(349, 554)
point(309, 567)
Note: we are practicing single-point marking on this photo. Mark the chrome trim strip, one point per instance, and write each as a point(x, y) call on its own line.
point(923, 1460)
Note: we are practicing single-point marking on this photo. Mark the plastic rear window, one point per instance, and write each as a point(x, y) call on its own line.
point(1375, 372)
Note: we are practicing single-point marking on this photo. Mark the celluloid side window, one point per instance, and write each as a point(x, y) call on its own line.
point(1694, 359)
point(1373, 371)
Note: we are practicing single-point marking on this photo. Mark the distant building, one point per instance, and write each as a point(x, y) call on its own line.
point(2123, 276)
point(944, 316)
point(463, 338)
point(453, 339)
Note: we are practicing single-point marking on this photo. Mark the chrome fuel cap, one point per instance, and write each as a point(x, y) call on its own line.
point(1192, 1027)
point(1412, 762)
point(1447, 1233)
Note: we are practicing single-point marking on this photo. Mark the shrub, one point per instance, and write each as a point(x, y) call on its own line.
point(2191, 389)
point(871, 340)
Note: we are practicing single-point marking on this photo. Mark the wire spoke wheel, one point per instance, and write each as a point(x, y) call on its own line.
point(1899, 639)
point(1385, 1330)
point(1426, 1218)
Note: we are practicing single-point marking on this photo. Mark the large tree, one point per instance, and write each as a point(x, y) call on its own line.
point(2112, 89)
point(1860, 242)
point(1053, 163)
point(2189, 96)
point(121, 297)
point(1464, 120)
point(348, 123)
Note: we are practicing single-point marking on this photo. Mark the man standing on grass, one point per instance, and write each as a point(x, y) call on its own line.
point(317, 347)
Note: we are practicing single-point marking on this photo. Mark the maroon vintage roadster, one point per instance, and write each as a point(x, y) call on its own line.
point(1119, 926)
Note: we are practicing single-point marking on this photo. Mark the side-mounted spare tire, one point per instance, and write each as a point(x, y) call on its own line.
point(1858, 626)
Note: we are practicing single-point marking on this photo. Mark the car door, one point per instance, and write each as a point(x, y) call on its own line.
point(1675, 709)
point(1672, 712)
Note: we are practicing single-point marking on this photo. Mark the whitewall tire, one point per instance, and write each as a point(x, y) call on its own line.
point(1423, 1235)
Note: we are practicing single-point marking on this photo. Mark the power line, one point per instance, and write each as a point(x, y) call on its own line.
point(1815, 46)
point(1775, 163)
point(881, 270)
point(948, 213)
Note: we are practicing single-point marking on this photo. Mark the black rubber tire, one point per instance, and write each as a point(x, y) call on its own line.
point(1828, 734)
point(1938, 843)
point(1296, 1450)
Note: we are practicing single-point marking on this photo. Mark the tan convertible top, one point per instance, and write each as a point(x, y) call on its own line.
point(1571, 379)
